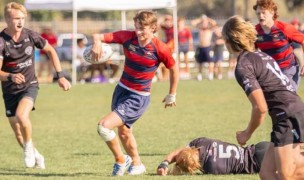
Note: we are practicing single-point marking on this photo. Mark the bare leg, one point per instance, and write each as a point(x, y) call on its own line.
point(268, 169)
point(111, 121)
point(288, 161)
point(128, 141)
point(17, 130)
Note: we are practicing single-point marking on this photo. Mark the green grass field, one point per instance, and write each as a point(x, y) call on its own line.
point(64, 129)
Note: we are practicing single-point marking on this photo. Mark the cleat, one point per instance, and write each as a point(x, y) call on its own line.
point(39, 162)
point(119, 169)
point(29, 155)
point(137, 170)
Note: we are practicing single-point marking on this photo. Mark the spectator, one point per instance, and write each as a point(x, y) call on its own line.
point(44, 61)
point(185, 44)
point(81, 64)
point(218, 53)
point(205, 26)
point(167, 27)
point(275, 37)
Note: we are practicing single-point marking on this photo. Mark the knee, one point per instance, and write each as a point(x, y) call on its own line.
point(105, 133)
point(22, 119)
point(124, 133)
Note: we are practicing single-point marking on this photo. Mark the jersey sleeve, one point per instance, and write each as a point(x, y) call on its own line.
point(293, 34)
point(118, 37)
point(165, 55)
point(39, 41)
point(245, 75)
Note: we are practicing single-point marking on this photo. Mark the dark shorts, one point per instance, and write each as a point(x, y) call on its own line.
point(184, 47)
point(288, 130)
point(129, 106)
point(11, 101)
point(202, 55)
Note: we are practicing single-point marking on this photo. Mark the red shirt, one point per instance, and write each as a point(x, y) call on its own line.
point(51, 39)
point(277, 43)
point(141, 63)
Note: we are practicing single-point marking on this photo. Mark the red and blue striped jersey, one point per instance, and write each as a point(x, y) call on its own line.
point(141, 63)
point(277, 43)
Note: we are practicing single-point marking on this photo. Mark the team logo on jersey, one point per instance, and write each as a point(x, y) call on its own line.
point(27, 40)
point(28, 50)
point(132, 48)
point(260, 38)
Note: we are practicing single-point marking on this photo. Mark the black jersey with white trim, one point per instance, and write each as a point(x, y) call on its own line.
point(18, 57)
point(257, 70)
point(218, 157)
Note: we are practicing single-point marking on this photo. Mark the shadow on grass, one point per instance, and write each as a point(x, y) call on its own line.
point(153, 154)
point(12, 172)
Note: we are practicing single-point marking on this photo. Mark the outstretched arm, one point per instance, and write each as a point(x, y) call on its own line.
point(163, 167)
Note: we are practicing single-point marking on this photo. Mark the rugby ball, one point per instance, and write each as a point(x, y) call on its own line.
point(107, 52)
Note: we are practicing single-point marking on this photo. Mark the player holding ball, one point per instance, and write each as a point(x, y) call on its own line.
point(144, 52)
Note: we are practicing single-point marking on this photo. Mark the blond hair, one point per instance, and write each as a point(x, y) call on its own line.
point(239, 34)
point(187, 161)
point(14, 6)
point(146, 18)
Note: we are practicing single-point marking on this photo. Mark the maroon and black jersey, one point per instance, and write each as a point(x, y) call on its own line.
point(257, 70)
point(218, 157)
point(18, 57)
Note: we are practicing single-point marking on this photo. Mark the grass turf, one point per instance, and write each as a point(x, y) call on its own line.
point(64, 129)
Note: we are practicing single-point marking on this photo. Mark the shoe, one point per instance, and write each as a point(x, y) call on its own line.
point(39, 162)
point(199, 77)
point(119, 169)
point(136, 170)
point(29, 155)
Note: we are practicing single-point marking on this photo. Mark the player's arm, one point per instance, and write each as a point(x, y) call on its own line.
point(96, 49)
point(5, 76)
point(258, 113)
point(163, 167)
point(50, 51)
point(170, 99)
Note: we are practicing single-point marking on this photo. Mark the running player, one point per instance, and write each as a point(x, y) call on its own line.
point(275, 39)
point(18, 80)
point(144, 52)
point(267, 88)
point(212, 156)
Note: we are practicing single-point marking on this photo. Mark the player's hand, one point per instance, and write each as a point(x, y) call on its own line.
point(170, 100)
point(242, 137)
point(18, 78)
point(162, 171)
point(96, 51)
point(64, 84)
point(163, 168)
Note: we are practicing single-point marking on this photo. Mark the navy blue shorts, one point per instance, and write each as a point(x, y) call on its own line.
point(11, 101)
point(129, 106)
point(203, 55)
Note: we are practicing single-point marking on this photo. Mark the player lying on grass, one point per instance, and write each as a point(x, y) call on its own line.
point(267, 88)
point(213, 156)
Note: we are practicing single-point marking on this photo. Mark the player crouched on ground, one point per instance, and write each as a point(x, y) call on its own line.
point(211, 156)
